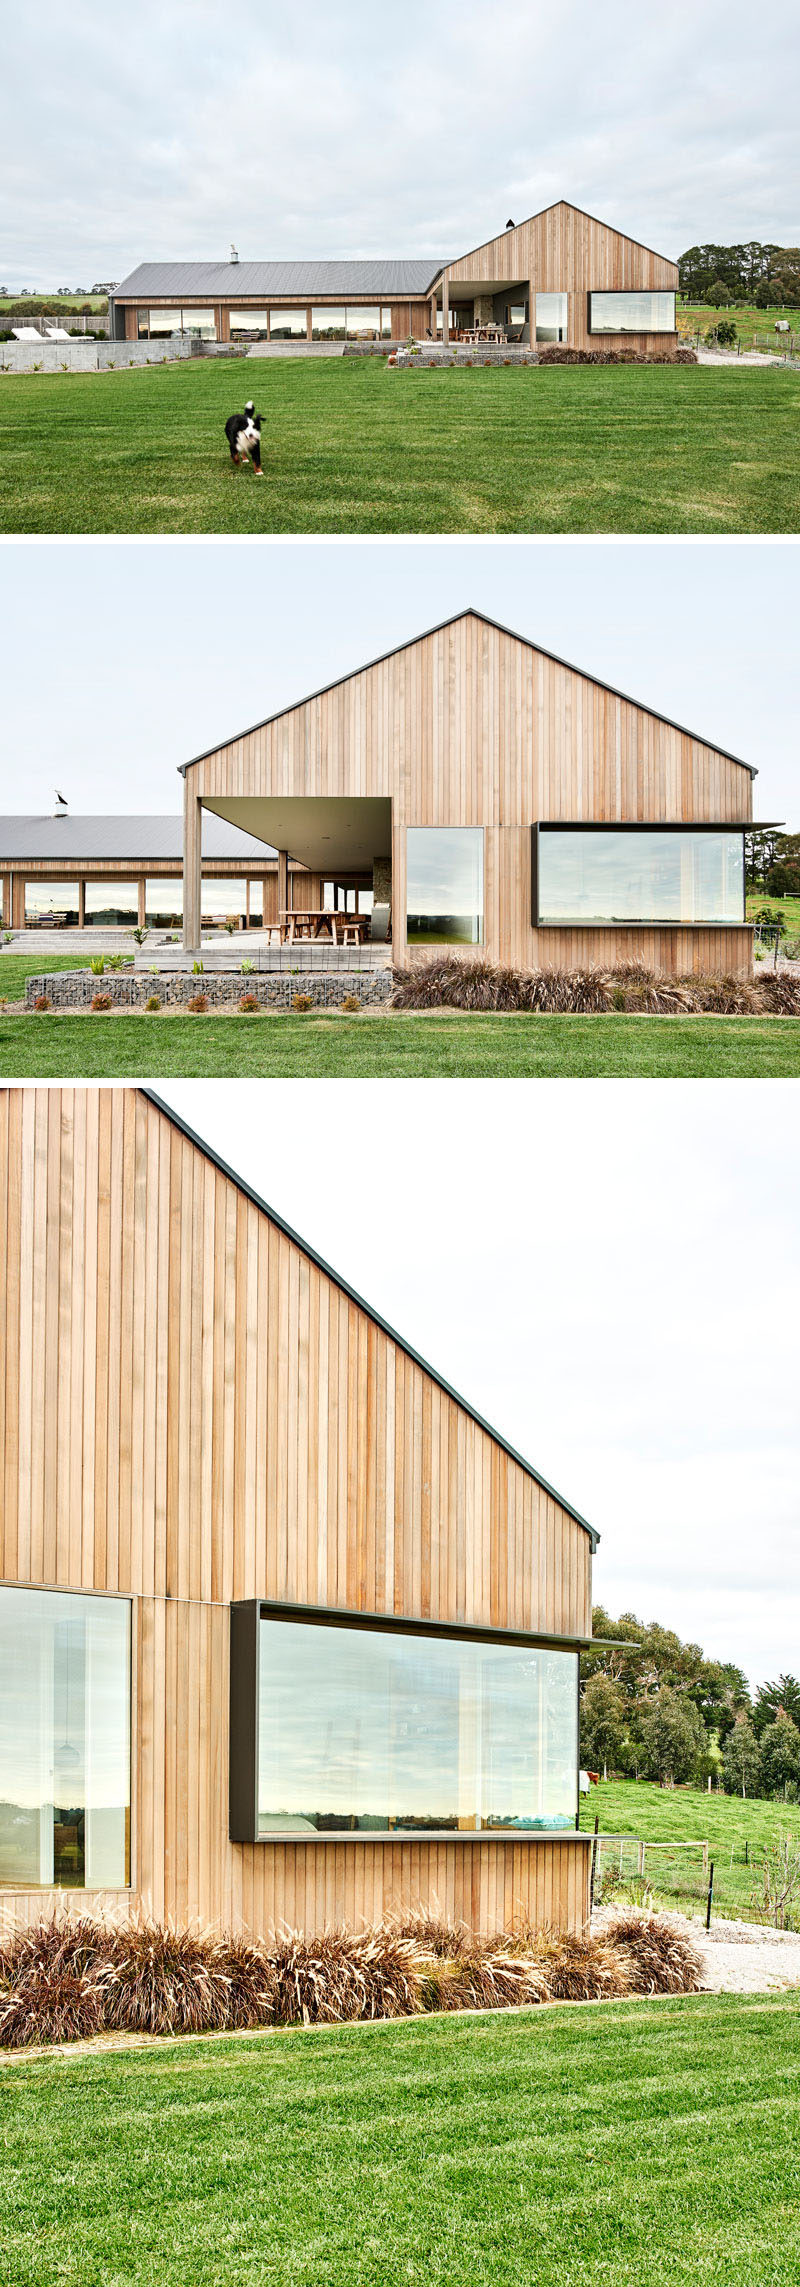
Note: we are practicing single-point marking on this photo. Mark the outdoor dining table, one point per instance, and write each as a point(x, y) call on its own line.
point(306, 922)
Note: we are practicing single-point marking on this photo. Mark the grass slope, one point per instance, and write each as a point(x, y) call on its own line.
point(16, 968)
point(398, 1047)
point(674, 1814)
point(350, 447)
point(648, 2142)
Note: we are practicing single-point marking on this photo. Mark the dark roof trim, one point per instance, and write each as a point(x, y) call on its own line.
point(311, 1253)
point(529, 218)
point(469, 612)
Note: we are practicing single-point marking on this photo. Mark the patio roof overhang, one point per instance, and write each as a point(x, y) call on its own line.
point(329, 834)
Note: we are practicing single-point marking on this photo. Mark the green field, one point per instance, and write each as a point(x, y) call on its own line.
point(349, 446)
point(622, 2146)
point(686, 1814)
point(758, 902)
point(439, 1045)
point(755, 328)
point(55, 302)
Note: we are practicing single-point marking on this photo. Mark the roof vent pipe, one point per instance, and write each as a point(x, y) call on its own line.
point(234, 255)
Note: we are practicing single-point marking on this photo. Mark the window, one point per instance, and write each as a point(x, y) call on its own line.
point(631, 313)
point(362, 1729)
point(248, 322)
point(256, 903)
point(113, 903)
point(551, 317)
point(164, 322)
point(287, 325)
point(51, 905)
point(200, 322)
point(516, 313)
point(610, 874)
point(64, 1740)
point(328, 325)
point(363, 324)
point(222, 901)
point(163, 904)
point(444, 896)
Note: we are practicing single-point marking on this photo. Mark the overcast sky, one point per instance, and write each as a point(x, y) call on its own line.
point(609, 1272)
point(173, 127)
point(155, 650)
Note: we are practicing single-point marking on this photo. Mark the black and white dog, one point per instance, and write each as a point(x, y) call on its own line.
point(243, 432)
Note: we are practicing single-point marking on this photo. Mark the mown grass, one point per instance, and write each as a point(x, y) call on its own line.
point(396, 1046)
point(687, 1814)
point(16, 968)
point(575, 2147)
point(349, 446)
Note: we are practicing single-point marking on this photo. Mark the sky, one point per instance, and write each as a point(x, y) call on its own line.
point(156, 650)
point(179, 125)
point(608, 1271)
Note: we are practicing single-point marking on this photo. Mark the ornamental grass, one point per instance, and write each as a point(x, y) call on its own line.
point(447, 981)
point(70, 1979)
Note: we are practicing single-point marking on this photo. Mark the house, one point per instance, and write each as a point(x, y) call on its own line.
point(485, 794)
point(562, 276)
point(72, 872)
point(287, 1631)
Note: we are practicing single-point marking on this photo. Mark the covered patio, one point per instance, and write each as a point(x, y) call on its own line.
point(339, 906)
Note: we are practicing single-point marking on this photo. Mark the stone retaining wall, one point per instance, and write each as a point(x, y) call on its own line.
point(73, 989)
point(479, 353)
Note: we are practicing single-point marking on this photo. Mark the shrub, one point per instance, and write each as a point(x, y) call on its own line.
point(197, 967)
point(116, 961)
point(659, 1957)
point(152, 1004)
point(42, 1001)
point(102, 1001)
point(351, 1004)
point(726, 333)
point(301, 1002)
point(778, 995)
point(157, 1979)
point(249, 1004)
point(198, 1004)
point(342, 1976)
point(47, 2004)
point(97, 964)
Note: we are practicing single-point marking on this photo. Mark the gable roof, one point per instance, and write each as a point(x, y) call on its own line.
point(223, 281)
point(525, 224)
point(469, 612)
point(313, 1257)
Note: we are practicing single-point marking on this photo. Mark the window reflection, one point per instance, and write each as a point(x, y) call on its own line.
point(287, 325)
point(602, 875)
point(115, 903)
point(164, 904)
point(51, 905)
point(369, 1730)
point(631, 313)
point(444, 895)
point(551, 317)
point(64, 1740)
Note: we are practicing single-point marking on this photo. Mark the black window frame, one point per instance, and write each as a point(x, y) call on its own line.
point(632, 826)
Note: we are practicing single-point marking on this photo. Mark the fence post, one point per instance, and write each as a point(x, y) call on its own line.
point(641, 1857)
point(710, 1895)
point(705, 1858)
point(594, 1860)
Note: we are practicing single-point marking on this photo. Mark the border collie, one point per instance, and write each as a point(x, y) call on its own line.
point(243, 434)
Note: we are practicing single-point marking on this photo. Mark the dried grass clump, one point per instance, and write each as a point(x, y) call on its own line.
point(158, 1979)
point(777, 994)
point(447, 982)
point(55, 1942)
point(577, 1967)
point(52, 2001)
point(343, 1976)
point(660, 1958)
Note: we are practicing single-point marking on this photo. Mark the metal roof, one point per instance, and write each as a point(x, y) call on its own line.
point(471, 613)
point(223, 281)
point(311, 1253)
point(72, 837)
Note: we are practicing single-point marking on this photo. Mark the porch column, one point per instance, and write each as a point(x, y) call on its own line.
point(81, 905)
point(531, 313)
point(192, 868)
point(247, 903)
point(141, 904)
point(445, 310)
point(398, 882)
point(283, 882)
point(433, 316)
point(7, 900)
point(18, 901)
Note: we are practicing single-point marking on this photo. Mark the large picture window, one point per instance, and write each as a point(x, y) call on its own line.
point(632, 313)
point(381, 1730)
point(111, 904)
point(551, 317)
point(51, 904)
point(598, 874)
point(287, 325)
point(164, 904)
point(64, 1740)
point(444, 894)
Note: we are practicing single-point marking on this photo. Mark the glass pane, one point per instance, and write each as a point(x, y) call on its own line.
point(363, 324)
point(386, 324)
point(64, 1740)
point(631, 313)
point(445, 885)
point(114, 902)
point(328, 325)
point(165, 321)
point(551, 317)
point(51, 904)
point(601, 874)
point(248, 322)
point(256, 904)
point(287, 325)
point(200, 322)
point(222, 900)
point(163, 904)
point(369, 1730)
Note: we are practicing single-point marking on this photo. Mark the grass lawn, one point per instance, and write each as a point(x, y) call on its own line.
point(398, 1047)
point(759, 902)
point(623, 2146)
point(673, 1814)
point(754, 327)
point(351, 447)
point(16, 968)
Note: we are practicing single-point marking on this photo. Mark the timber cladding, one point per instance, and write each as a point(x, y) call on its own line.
point(563, 250)
point(471, 725)
point(193, 1411)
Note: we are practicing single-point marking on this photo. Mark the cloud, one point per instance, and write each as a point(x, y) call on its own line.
point(362, 131)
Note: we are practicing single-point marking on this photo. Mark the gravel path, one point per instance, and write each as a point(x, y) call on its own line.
point(738, 1957)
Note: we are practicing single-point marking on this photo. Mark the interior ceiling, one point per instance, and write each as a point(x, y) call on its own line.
point(328, 833)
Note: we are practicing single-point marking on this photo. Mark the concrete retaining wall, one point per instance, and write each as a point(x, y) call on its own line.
point(89, 356)
point(482, 353)
point(73, 989)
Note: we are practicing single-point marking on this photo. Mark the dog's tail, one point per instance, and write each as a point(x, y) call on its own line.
point(250, 406)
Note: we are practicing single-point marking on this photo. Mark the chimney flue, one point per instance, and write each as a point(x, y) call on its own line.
point(234, 254)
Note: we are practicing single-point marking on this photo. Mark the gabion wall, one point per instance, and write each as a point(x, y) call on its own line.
point(72, 989)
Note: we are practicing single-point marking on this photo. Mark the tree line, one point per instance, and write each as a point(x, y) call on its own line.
point(654, 1708)
point(768, 276)
point(772, 861)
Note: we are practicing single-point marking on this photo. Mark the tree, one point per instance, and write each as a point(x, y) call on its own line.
point(780, 1755)
point(603, 1722)
point(772, 1699)
point(741, 1760)
point(674, 1738)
